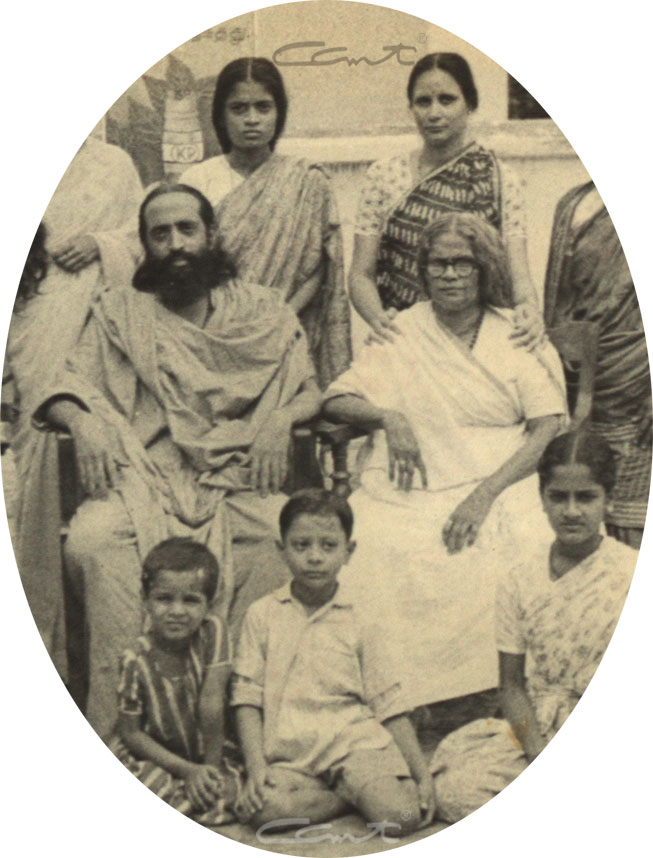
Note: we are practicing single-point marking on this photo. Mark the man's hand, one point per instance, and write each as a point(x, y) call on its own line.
point(465, 521)
point(404, 455)
point(75, 253)
point(98, 452)
point(268, 455)
point(202, 786)
point(426, 798)
point(528, 327)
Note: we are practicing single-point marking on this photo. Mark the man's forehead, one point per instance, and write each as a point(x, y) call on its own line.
point(171, 208)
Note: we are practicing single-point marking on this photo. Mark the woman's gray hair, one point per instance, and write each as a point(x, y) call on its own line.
point(488, 251)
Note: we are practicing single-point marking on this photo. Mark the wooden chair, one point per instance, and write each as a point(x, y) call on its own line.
point(575, 342)
point(304, 472)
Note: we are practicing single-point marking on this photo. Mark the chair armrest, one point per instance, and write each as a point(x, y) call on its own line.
point(335, 436)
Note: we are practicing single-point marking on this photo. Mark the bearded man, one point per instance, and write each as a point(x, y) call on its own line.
point(180, 399)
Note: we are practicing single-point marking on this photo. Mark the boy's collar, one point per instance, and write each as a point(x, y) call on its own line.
point(340, 599)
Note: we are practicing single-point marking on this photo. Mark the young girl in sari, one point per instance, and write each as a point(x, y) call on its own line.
point(170, 730)
point(556, 607)
point(276, 216)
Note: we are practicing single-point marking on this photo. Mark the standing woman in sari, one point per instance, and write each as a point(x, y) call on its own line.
point(276, 216)
point(90, 240)
point(404, 193)
point(588, 280)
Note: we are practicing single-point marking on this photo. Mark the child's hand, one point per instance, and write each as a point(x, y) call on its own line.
point(426, 796)
point(203, 786)
point(254, 794)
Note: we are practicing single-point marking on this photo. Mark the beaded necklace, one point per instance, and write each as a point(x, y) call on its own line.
point(475, 333)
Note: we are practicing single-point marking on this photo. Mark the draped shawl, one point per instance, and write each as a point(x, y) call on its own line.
point(209, 392)
point(99, 194)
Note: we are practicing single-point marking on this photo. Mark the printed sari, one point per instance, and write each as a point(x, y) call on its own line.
point(588, 280)
point(470, 182)
point(564, 626)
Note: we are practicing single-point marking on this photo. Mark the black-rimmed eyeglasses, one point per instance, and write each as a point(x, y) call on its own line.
point(462, 266)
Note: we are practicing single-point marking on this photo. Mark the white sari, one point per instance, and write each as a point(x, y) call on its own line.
point(468, 411)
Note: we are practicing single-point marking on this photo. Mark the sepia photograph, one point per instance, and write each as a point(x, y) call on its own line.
point(326, 429)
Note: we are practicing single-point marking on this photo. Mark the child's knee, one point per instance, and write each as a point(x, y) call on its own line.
point(279, 810)
point(296, 800)
point(393, 803)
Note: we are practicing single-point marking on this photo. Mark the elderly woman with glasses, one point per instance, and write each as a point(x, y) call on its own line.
point(459, 418)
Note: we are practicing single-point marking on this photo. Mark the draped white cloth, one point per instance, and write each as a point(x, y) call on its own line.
point(468, 411)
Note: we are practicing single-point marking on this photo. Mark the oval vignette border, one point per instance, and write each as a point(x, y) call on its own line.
point(81, 818)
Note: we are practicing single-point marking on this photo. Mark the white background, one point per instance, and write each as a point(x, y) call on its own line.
point(64, 63)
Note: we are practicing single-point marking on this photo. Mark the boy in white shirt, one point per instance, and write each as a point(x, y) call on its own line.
point(315, 694)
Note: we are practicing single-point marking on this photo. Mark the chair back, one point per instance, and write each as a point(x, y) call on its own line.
point(576, 343)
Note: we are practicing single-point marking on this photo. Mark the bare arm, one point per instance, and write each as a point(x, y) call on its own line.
point(249, 725)
point(211, 712)
point(201, 782)
point(355, 410)
point(362, 286)
point(403, 733)
point(307, 291)
point(306, 403)
point(144, 747)
point(465, 521)
point(404, 456)
point(517, 706)
point(539, 432)
point(521, 275)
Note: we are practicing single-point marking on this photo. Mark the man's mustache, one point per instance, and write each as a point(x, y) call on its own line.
point(156, 275)
point(205, 269)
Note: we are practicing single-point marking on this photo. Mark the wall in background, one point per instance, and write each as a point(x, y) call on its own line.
point(344, 115)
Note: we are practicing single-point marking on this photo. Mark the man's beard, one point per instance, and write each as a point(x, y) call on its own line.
point(180, 278)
